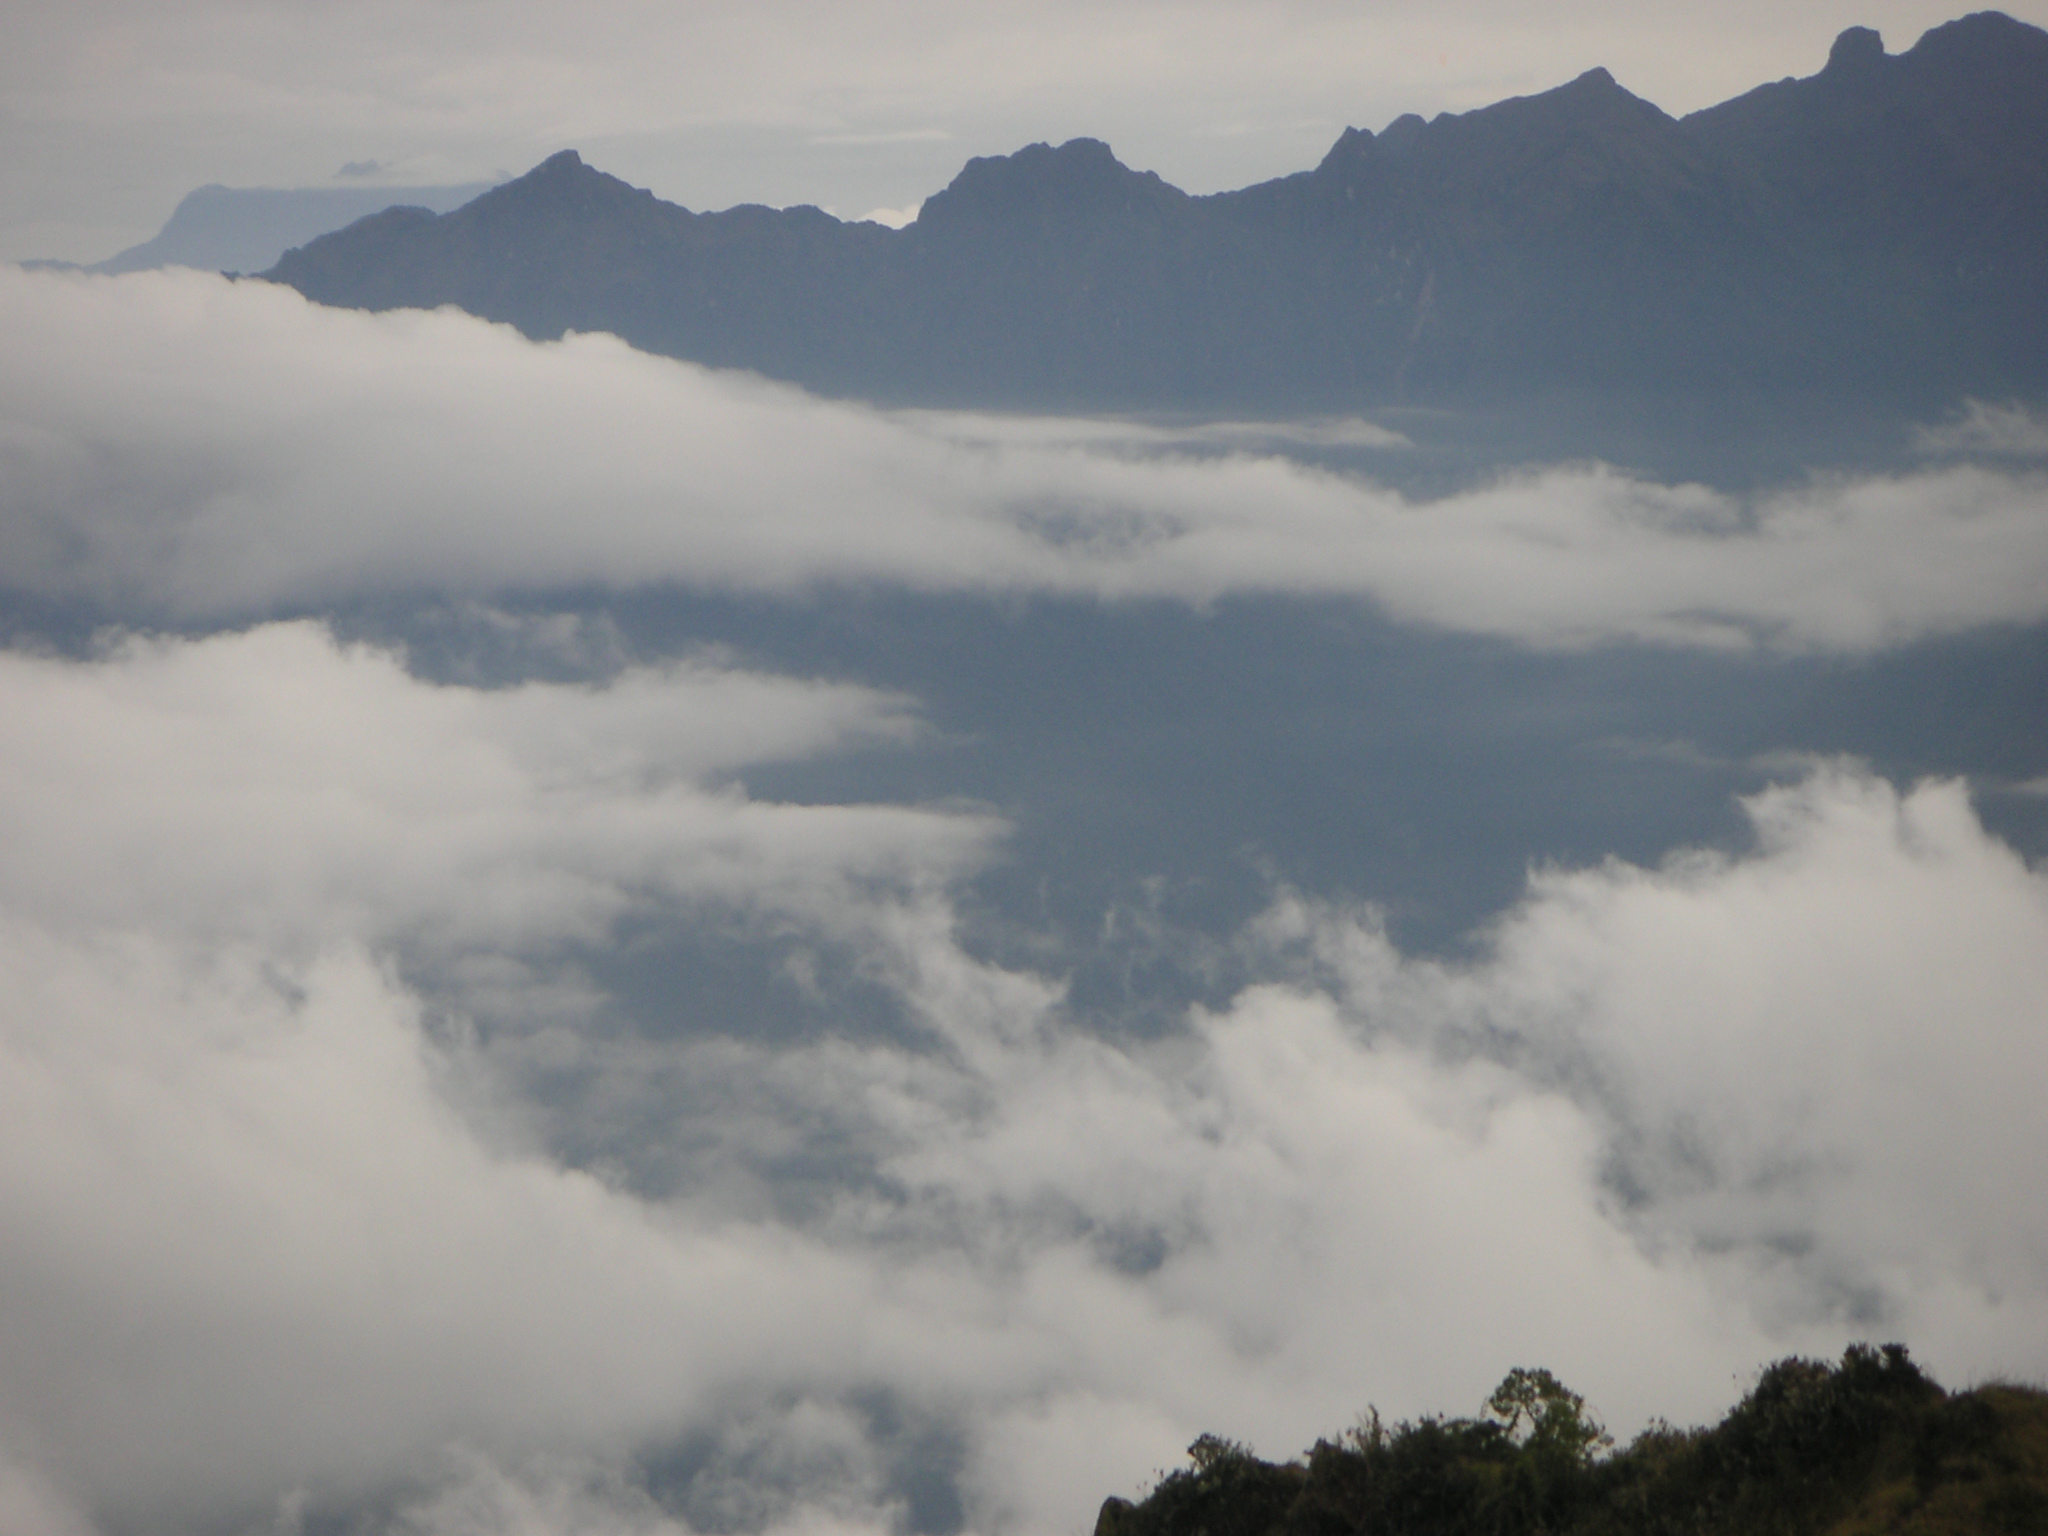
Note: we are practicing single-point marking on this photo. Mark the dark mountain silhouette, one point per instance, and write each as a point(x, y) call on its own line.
point(245, 229)
point(1878, 230)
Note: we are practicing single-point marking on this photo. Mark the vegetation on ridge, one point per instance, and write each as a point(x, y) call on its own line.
point(1867, 1446)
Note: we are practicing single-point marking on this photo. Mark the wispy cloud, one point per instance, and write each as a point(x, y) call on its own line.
point(1995, 431)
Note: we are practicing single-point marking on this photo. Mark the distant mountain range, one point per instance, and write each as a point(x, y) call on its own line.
point(1877, 230)
point(246, 229)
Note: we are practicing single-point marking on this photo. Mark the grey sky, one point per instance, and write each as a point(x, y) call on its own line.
point(110, 110)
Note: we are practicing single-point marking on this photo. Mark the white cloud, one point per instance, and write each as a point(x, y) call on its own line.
point(176, 444)
point(334, 795)
point(1672, 1122)
point(231, 1175)
point(234, 1187)
point(1669, 1123)
point(2000, 431)
point(1816, 1055)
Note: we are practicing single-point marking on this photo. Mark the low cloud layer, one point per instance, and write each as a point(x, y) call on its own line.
point(1669, 1122)
point(179, 446)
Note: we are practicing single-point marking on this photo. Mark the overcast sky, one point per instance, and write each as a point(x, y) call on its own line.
point(110, 110)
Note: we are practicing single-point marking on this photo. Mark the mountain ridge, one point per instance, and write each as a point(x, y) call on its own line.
point(1878, 228)
point(245, 229)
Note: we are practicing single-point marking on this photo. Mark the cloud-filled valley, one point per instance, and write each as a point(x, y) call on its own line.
point(529, 1008)
point(312, 1176)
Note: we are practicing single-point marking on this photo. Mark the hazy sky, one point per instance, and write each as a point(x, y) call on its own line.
point(110, 110)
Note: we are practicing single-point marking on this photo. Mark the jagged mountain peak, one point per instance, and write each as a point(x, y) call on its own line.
point(1594, 99)
point(1081, 177)
point(564, 168)
point(1404, 129)
point(1855, 49)
point(1076, 163)
point(563, 182)
point(1980, 32)
point(1589, 127)
point(1973, 86)
point(1985, 54)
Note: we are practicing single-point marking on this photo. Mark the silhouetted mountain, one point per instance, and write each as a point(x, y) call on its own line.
point(1919, 186)
point(1879, 229)
point(246, 229)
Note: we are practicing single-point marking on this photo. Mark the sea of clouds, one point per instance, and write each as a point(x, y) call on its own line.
point(335, 1183)
point(185, 447)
